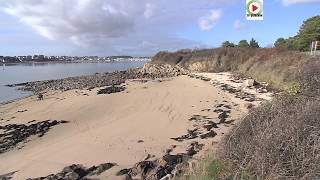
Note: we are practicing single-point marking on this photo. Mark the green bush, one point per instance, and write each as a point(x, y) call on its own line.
point(308, 32)
point(294, 89)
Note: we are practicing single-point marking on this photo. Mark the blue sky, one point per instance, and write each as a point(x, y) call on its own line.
point(140, 27)
point(279, 21)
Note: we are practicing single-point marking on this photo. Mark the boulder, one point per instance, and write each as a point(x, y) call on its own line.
point(249, 83)
point(163, 70)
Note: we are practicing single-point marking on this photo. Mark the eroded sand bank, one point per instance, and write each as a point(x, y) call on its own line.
point(121, 128)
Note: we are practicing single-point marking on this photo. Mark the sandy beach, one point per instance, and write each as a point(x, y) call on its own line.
point(142, 122)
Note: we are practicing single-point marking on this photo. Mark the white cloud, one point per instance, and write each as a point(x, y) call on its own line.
point(149, 10)
point(288, 2)
point(238, 25)
point(116, 26)
point(209, 21)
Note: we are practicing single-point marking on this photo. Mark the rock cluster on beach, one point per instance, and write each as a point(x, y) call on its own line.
point(77, 172)
point(261, 87)
point(111, 89)
point(149, 71)
point(13, 134)
point(7, 176)
point(168, 166)
point(204, 125)
point(81, 82)
point(166, 70)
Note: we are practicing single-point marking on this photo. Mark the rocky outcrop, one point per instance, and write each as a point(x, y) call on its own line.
point(111, 89)
point(149, 71)
point(77, 172)
point(82, 82)
point(168, 166)
point(166, 70)
point(249, 83)
point(13, 134)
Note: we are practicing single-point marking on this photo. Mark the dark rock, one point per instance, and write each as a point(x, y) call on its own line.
point(78, 172)
point(97, 170)
point(13, 134)
point(198, 118)
point(210, 125)
point(40, 97)
point(248, 105)
point(194, 148)
point(143, 168)
point(195, 118)
point(7, 176)
point(210, 134)
point(205, 79)
point(168, 165)
point(21, 111)
point(192, 134)
point(175, 159)
point(223, 116)
point(111, 89)
point(123, 172)
point(219, 105)
point(218, 110)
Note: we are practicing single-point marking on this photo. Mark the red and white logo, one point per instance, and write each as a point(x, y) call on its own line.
point(255, 8)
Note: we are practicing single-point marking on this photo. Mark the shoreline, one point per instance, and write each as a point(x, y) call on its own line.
point(15, 100)
point(11, 94)
point(200, 122)
point(64, 62)
point(21, 86)
point(149, 71)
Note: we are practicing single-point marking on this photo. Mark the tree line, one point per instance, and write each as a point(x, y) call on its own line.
point(308, 32)
point(242, 44)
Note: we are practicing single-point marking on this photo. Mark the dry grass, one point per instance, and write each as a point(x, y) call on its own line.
point(209, 169)
point(275, 66)
point(280, 139)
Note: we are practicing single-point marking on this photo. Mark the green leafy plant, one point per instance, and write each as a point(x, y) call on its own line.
point(294, 88)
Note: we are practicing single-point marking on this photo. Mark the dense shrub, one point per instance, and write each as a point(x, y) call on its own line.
point(308, 32)
point(277, 140)
point(280, 139)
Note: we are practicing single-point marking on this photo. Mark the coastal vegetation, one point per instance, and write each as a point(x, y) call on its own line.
point(242, 44)
point(309, 31)
point(275, 66)
point(280, 139)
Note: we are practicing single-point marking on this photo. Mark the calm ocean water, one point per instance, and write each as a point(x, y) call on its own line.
point(19, 73)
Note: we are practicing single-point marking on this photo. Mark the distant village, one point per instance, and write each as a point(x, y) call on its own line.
point(43, 58)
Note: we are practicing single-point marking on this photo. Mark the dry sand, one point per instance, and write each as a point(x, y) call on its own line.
point(107, 128)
